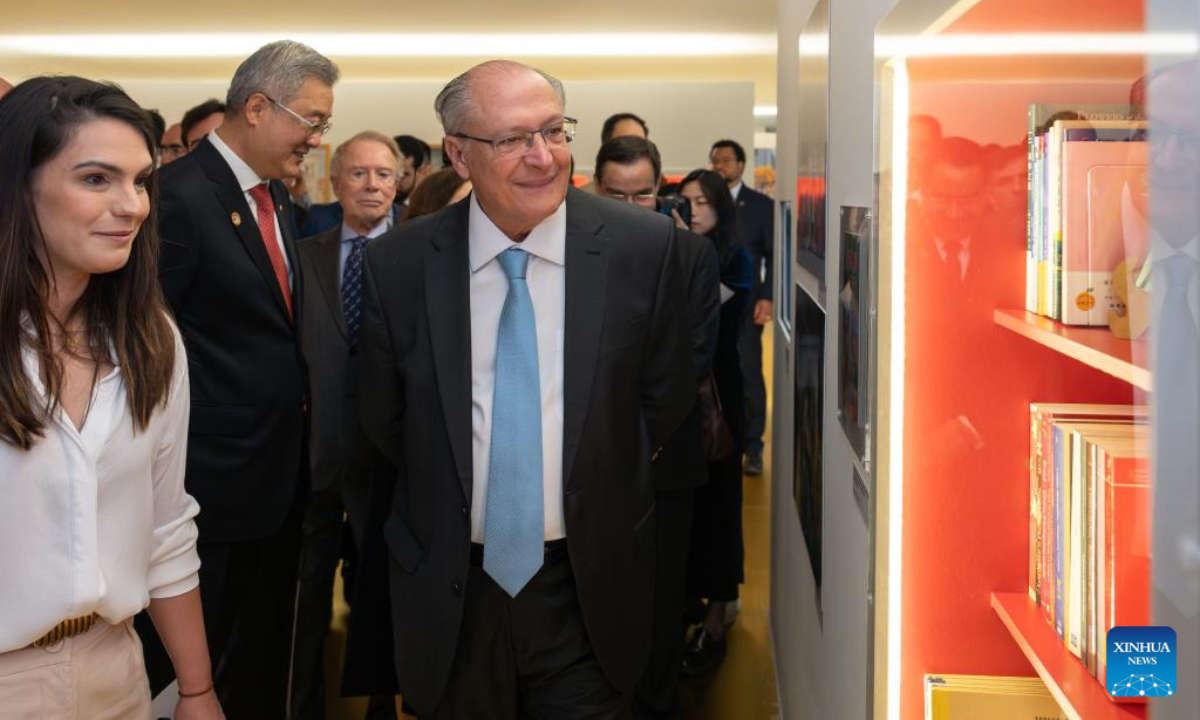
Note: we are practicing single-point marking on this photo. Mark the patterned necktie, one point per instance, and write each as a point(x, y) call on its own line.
point(266, 227)
point(514, 522)
point(352, 288)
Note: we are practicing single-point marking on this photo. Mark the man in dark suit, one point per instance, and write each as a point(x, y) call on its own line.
point(364, 173)
point(230, 273)
point(756, 233)
point(525, 356)
point(629, 169)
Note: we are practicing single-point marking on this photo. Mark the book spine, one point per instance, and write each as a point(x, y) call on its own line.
point(1061, 486)
point(1030, 216)
point(1075, 554)
point(1103, 549)
point(1049, 524)
point(1035, 507)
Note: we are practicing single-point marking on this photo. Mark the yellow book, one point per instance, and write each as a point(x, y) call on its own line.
point(974, 697)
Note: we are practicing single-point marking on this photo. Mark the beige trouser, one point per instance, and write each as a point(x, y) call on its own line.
point(98, 675)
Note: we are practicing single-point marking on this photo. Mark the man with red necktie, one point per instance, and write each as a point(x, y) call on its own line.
point(229, 270)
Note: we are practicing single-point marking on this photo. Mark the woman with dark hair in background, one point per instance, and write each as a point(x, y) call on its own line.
point(436, 192)
point(94, 523)
point(715, 566)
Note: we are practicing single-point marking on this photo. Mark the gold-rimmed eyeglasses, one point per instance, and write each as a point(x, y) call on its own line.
point(555, 134)
point(314, 128)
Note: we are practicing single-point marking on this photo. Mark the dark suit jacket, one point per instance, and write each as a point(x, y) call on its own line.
point(248, 384)
point(681, 463)
point(340, 454)
point(628, 383)
point(756, 233)
point(327, 216)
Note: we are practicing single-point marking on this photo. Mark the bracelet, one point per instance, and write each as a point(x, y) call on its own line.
point(205, 691)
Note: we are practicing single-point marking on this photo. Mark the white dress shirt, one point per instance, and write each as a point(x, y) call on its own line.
point(546, 278)
point(248, 179)
point(96, 520)
point(735, 190)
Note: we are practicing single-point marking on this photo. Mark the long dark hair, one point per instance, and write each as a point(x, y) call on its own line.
point(123, 311)
point(716, 191)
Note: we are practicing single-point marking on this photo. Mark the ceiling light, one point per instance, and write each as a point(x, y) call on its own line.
point(220, 45)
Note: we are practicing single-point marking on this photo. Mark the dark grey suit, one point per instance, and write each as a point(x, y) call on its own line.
point(628, 383)
point(341, 459)
point(679, 469)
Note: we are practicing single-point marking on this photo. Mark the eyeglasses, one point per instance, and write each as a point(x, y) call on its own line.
point(555, 134)
point(648, 197)
point(313, 128)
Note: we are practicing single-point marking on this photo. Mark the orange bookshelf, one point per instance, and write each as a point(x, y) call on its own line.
point(1078, 693)
point(1095, 347)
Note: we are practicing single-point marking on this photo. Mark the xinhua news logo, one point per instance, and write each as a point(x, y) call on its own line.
point(1141, 662)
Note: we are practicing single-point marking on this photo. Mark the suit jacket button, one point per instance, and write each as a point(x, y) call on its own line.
point(456, 587)
point(466, 511)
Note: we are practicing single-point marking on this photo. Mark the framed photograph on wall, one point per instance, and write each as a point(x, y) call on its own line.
point(783, 290)
point(855, 298)
point(808, 482)
point(814, 113)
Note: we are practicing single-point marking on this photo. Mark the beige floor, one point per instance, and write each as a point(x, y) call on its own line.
point(742, 689)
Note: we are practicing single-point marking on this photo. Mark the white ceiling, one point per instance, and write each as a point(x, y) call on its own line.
point(754, 18)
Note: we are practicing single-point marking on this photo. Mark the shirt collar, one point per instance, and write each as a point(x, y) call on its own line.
point(736, 189)
point(384, 225)
point(246, 177)
point(546, 241)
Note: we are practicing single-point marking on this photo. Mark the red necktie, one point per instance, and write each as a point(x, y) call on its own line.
point(266, 226)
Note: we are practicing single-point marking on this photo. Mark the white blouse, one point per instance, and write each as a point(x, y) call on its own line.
point(96, 520)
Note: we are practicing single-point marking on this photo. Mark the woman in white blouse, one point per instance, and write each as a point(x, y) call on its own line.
point(94, 521)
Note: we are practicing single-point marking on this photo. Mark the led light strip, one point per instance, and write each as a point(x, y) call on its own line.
point(218, 45)
point(1008, 44)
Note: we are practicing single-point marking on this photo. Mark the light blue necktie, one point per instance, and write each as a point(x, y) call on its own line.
point(514, 522)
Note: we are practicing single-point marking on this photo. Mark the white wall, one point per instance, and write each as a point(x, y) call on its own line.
point(684, 117)
point(823, 667)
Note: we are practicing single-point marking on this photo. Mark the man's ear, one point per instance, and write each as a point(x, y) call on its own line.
point(454, 150)
point(255, 109)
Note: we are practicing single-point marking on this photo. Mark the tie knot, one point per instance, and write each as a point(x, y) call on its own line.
point(359, 242)
point(514, 261)
point(1179, 270)
point(261, 194)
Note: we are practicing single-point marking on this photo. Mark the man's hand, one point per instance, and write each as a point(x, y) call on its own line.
point(762, 312)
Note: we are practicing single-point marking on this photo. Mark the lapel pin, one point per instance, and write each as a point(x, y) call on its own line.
point(236, 218)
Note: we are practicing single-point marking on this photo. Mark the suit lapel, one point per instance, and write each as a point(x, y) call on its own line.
point(448, 304)
point(586, 284)
point(327, 251)
point(242, 217)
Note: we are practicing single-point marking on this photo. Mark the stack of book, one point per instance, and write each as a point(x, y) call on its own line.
point(1089, 522)
point(1087, 185)
point(982, 697)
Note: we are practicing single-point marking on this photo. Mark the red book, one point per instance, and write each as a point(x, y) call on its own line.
point(1041, 485)
point(1127, 538)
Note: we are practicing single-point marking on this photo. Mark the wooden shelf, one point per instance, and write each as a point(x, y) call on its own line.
point(1092, 346)
point(1078, 693)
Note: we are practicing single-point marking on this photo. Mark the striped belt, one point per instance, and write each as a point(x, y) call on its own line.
point(66, 629)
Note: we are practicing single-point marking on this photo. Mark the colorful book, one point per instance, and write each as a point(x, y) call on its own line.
point(1099, 162)
point(1041, 487)
point(1039, 248)
point(973, 697)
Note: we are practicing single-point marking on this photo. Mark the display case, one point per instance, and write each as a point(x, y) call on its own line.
point(966, 350)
